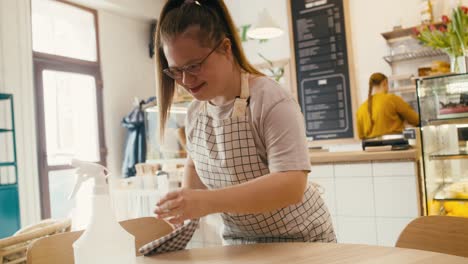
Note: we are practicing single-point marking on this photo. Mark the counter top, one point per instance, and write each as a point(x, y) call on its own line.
point(361, 156)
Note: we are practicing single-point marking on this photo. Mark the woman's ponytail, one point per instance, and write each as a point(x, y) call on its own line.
point(375, 80)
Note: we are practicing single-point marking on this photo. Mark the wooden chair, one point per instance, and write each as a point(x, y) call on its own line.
point(13, 249)
point(58, 249)
point(444, 234)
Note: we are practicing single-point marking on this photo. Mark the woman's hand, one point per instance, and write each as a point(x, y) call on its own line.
point(180, 205)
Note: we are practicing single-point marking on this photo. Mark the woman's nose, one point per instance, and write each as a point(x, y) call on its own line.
point(187, 78)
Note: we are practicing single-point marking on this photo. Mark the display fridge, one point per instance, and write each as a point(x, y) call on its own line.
point(443, 105)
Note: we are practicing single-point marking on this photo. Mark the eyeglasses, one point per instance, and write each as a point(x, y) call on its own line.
point(176, 73)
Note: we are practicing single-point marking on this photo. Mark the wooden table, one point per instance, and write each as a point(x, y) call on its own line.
point(290, 253)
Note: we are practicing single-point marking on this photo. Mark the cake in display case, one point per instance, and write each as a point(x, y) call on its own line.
point(443, 103)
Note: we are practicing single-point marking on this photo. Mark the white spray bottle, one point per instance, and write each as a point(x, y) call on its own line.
point(104, 240)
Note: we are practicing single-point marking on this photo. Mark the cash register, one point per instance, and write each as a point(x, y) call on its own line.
point(386, 143)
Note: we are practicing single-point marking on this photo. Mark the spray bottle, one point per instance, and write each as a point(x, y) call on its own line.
point(104, 240)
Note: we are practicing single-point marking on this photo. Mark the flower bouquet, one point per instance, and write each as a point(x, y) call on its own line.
point(451, 36)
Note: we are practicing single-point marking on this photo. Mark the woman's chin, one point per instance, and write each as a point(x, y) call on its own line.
point(201, 97)
point(198, 92)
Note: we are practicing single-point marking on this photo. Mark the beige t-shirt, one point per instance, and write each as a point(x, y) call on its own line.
point(276, 121)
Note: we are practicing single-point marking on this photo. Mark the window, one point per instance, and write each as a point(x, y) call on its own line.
point(69, 106)
point(68, 97)
point(64, 30)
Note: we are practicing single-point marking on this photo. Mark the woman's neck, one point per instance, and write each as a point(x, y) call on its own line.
point(231, 90)
point(378, 90)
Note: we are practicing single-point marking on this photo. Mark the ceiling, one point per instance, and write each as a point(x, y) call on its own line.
point(141, 9)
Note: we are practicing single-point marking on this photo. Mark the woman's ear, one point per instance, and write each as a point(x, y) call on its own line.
point(226, 47)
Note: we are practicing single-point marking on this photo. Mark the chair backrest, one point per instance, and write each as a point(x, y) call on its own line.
point(58, 249)
point(444, 234)
point(13, 248)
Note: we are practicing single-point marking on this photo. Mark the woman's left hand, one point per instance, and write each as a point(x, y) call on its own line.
point(180, 205)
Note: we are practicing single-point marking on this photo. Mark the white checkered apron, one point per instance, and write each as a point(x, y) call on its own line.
point(225, 154)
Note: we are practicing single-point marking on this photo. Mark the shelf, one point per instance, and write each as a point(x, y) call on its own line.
point(448, 121)
point(8, 186)
point(9, 180)
point(418, 54)
point(402, 32)
point(463, 154)
point(398, 33)
point(443, 194)
point(5, 96)
point(450, 199)
point(435, 76)
point(6, 164)
point(176, 108)
point(400, 77)
point(167, 161)
point(404, 89)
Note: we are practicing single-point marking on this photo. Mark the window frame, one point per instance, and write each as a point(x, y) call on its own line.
point(44, 61)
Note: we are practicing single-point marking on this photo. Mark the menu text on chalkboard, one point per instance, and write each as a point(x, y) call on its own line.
point(322, 72)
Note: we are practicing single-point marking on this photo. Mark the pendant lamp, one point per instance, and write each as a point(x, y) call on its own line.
point(266, 28)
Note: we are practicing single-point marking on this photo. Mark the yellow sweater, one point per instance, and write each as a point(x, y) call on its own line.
point(389, 113)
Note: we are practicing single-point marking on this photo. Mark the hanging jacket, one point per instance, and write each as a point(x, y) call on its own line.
point(135, 143)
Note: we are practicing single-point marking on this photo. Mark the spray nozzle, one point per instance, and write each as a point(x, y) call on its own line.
point(87, 170)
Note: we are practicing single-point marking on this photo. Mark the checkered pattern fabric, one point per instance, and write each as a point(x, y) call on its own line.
point(225, 154)
point(176, 240)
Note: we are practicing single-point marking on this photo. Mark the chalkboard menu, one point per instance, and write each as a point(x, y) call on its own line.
point(322, 74)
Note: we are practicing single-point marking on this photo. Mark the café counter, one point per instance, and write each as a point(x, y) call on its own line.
point(362, 156)
point(371, 196)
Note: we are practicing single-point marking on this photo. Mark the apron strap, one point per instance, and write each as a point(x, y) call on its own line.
point(241, 102)
point(245, 92)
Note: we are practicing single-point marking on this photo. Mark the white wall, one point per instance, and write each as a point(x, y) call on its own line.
point(367, 23)
point(127, 72)
point(368, 19)
point(246, 12)
point(16, 78)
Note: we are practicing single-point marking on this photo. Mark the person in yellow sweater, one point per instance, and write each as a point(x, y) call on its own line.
point(383, 113)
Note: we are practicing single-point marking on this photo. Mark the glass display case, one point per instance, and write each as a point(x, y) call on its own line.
point(173, 146)
point(443, 103)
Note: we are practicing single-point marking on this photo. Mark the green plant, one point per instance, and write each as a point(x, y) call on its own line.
point(451, 36)
point(275, 72)
point(460, 25)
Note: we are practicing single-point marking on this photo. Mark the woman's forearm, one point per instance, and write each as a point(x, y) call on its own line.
point(264, 194)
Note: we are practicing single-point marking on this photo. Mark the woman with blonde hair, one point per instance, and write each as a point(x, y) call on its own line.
point(383, 113)
point(247, 150)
